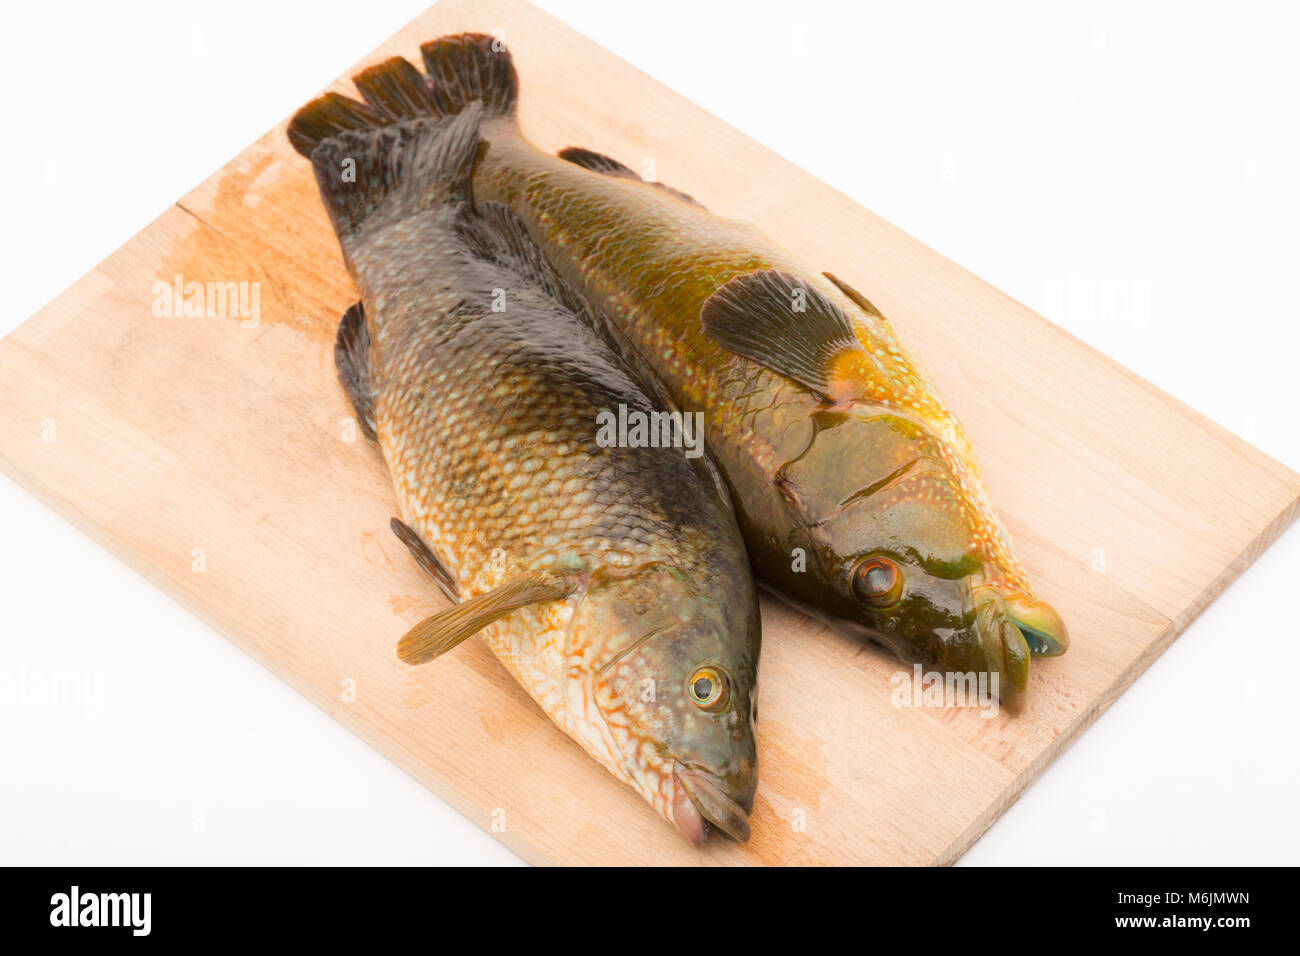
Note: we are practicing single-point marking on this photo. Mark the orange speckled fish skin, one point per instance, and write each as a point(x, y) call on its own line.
point(487, 418)
point(860, 499)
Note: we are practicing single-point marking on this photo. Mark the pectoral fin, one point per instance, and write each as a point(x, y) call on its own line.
point(444, 630)
point(783, 324)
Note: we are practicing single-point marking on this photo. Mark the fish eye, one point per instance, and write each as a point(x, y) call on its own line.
point(878, 582)
point(709, 689)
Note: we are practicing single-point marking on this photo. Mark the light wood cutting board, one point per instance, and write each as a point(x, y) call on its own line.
point(219, 459)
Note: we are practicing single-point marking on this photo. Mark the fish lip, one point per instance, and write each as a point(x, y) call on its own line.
point(1013, 664)
point(1042, 627)
point(687, 816)
point(706, 803)
point(1002, 653)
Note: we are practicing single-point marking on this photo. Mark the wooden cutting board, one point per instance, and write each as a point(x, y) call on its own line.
point(219, 457)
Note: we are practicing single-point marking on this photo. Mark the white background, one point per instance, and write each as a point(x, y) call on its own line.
point(1145, 155)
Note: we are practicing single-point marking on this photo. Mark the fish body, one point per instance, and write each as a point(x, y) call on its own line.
point(856, 489)
point(610, 581)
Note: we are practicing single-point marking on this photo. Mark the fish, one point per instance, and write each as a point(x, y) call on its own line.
point(857, 490)
point(609, 579)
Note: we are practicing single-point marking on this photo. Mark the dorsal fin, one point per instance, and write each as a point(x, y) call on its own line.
point(784, 324)
point(596, 162)
point(493, 232)
point(607, 165)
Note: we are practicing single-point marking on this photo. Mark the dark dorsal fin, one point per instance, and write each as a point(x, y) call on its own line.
point(783, 324)
point(352, 362)
point(596, 162)
point(600, 163)
point(426, 559)
point(493, 232)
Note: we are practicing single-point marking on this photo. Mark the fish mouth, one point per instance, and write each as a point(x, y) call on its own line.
point(1011, 631)
point(1042, 627)
point(701, 801)
point(1002, 652)
point(1008, 655)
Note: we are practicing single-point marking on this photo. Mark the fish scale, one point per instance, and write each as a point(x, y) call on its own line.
point(802, 382)
point(610, 581)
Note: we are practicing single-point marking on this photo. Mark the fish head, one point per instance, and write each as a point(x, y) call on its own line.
point(675, 688)
point(908, 552)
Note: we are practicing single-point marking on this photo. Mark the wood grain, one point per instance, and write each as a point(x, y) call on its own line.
point(177, 434)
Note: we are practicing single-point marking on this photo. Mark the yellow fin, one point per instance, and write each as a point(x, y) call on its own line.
point(444, 630)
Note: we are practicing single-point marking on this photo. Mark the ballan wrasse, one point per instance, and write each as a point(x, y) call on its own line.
point(610, 581)
point(856, 489)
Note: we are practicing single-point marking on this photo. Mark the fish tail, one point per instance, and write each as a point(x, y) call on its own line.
point(468, 67)
point(461, 69)
point(369, 167)
point(367, 154)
